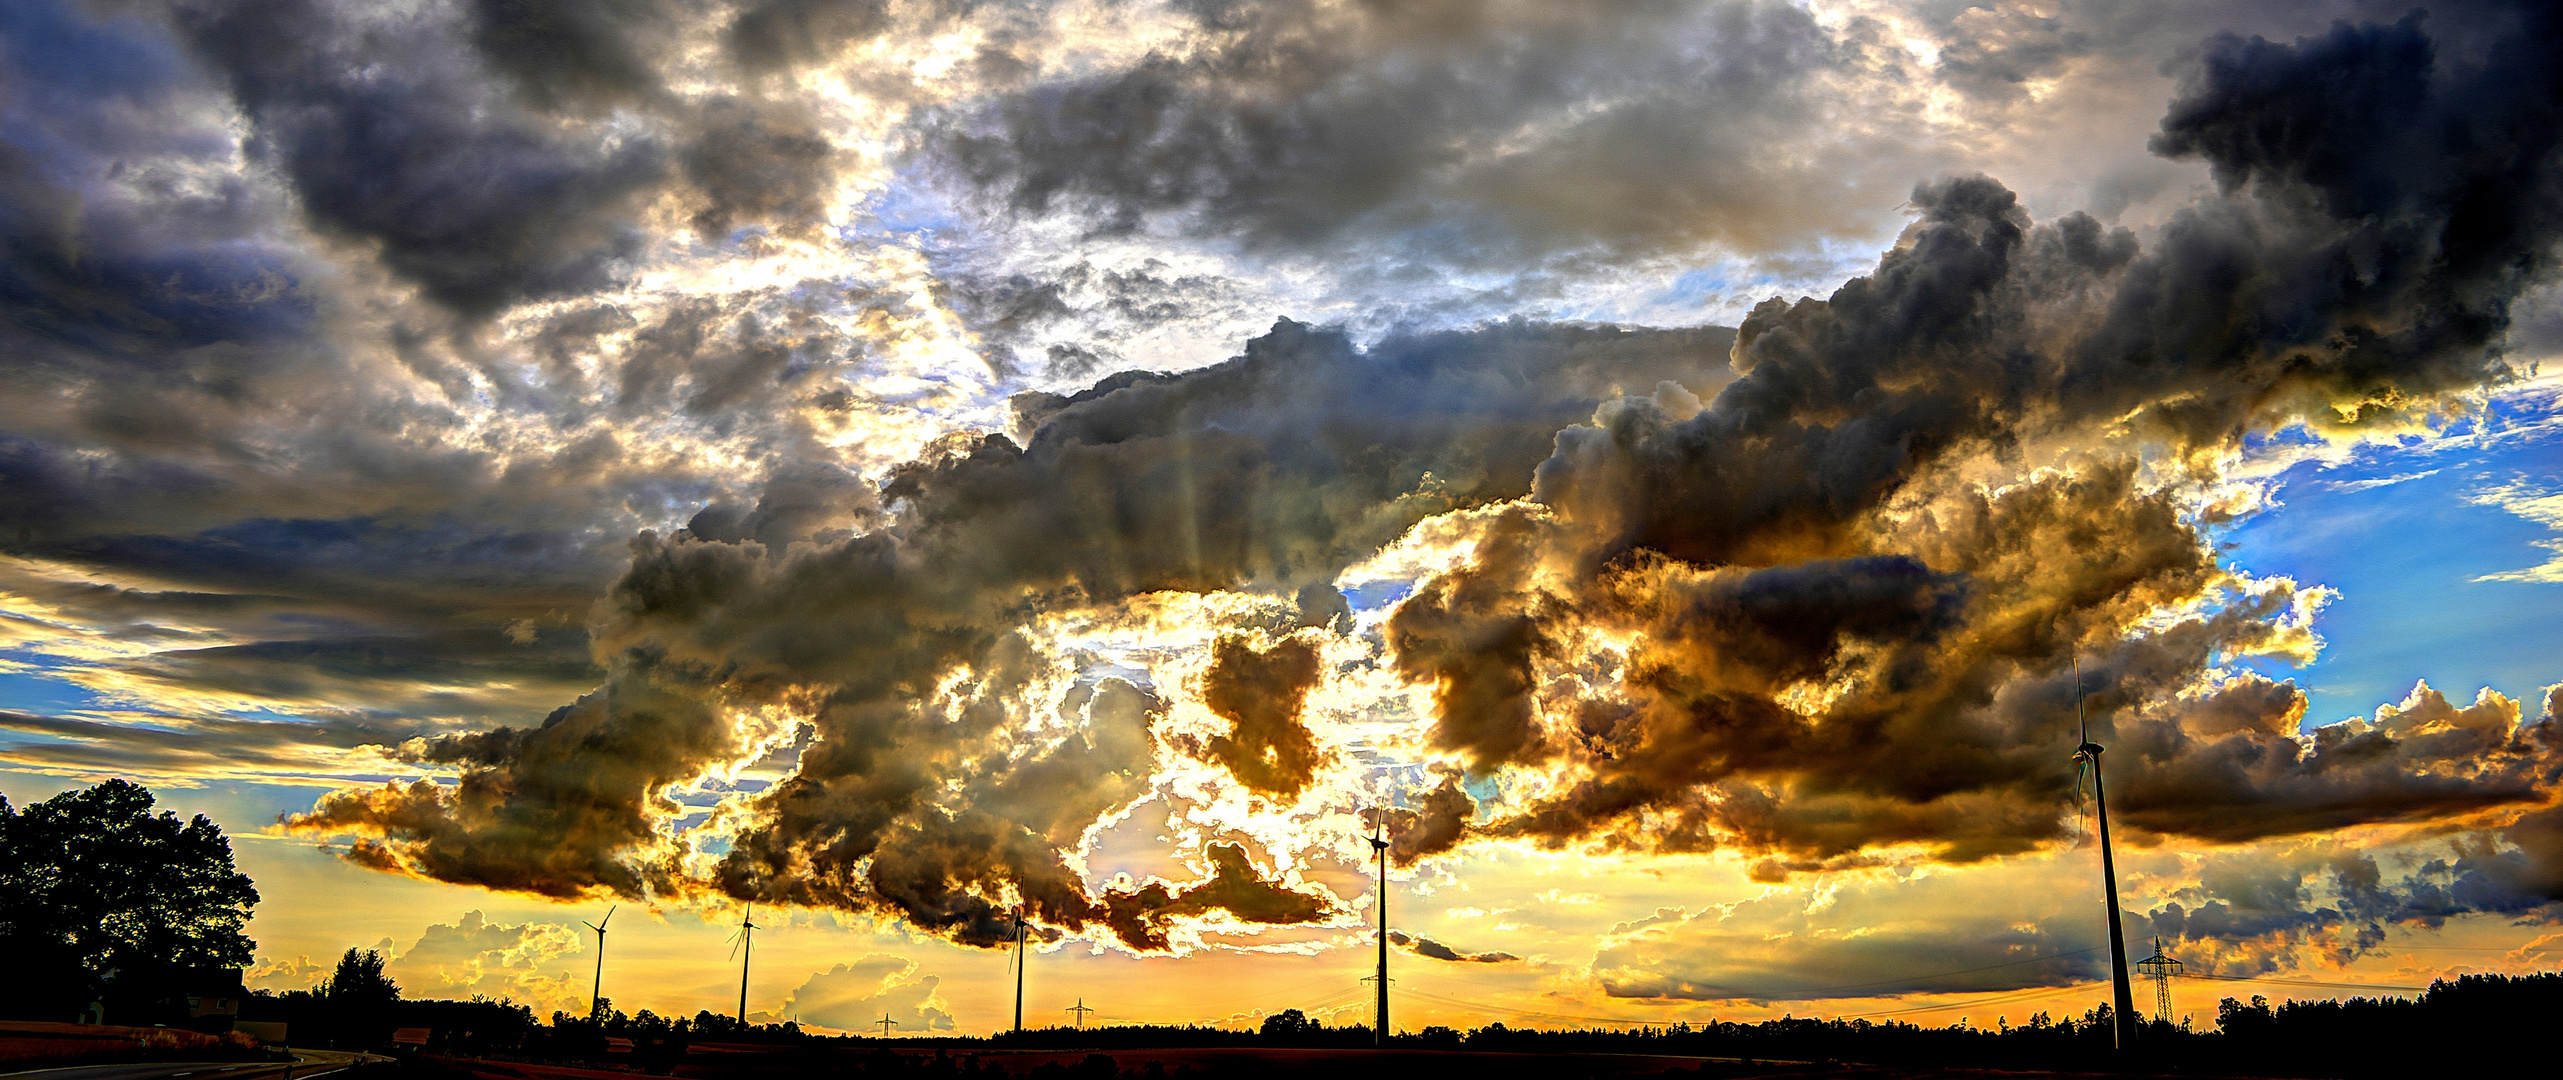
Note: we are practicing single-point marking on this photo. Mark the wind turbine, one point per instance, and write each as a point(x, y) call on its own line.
point(1018, 968)
point(744, 950)
point(596, 995)
point(2088, 756)
point(1379, 847)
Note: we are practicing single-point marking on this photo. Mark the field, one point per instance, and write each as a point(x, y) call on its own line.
point(1208, 1062)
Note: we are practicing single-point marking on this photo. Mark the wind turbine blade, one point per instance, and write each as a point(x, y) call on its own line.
point(2079, 720)
point(609, 917)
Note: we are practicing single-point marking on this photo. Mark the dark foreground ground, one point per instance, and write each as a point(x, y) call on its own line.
point(1221, 1063)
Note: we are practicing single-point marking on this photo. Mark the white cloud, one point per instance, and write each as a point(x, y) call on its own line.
point(473, 957)
point(851, 996)
point(2380, 481)
point(2540, 503)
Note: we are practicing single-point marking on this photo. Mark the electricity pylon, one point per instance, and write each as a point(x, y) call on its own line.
point(1081, 1010)
point(596, 995)
point(2088, 755)
point(2161, 968)
point(885, 1023)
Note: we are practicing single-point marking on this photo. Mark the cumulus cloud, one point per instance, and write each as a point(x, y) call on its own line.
point(1799, 622)
point(1273, 471)
point(1806, 603)
point(1486, 137)
point(2034, 922)
point(849, 996)
point(1931, 934)
point(1261, 693)
point(473, 957)
point(1235, 887)
point(476, 202)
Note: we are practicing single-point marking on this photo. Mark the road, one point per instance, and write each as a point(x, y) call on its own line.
point(306, 1064)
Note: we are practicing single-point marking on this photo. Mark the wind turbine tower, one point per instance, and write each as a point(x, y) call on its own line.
point(746, 937)
point(596, 995)
point(1379, 847)
point(2088, 755)
point(1018, 968)
point(2161, 968)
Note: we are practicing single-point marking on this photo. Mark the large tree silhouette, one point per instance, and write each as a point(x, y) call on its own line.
point(98, 895)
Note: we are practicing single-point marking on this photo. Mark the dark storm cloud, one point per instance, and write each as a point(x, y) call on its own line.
point(195, 466)
point(2243, 911)
point(768, 34)
point(1842, 590)
point(391, 136)
point(732, 365)
point(469, 675)
point(199, 404)
point(1845, 587)
point(1437, 824)
point(1260, 692)
point(1071, 321)
point(575, 52)
point(478, 156)
point(1235, 886)
point(1434, 950)
point(127, 255)
point(758, 161)
point(585, 787)
point(1470, 134)
point(1812, 534)
point(932, 798)
point(207, 748)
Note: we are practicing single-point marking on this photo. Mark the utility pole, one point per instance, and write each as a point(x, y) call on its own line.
point(2124, 1004)
point(1081, 1010)
point(1379, 847)
point(1018, 969)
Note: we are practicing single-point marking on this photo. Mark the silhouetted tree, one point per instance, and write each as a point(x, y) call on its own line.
point(1289, 1024)
point(100, 897)
point(359, 981)
point(358, 998)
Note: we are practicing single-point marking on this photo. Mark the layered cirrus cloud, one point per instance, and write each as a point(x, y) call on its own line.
point(671, 445)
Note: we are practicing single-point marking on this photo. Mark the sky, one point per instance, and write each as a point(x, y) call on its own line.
point(1677, 471)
